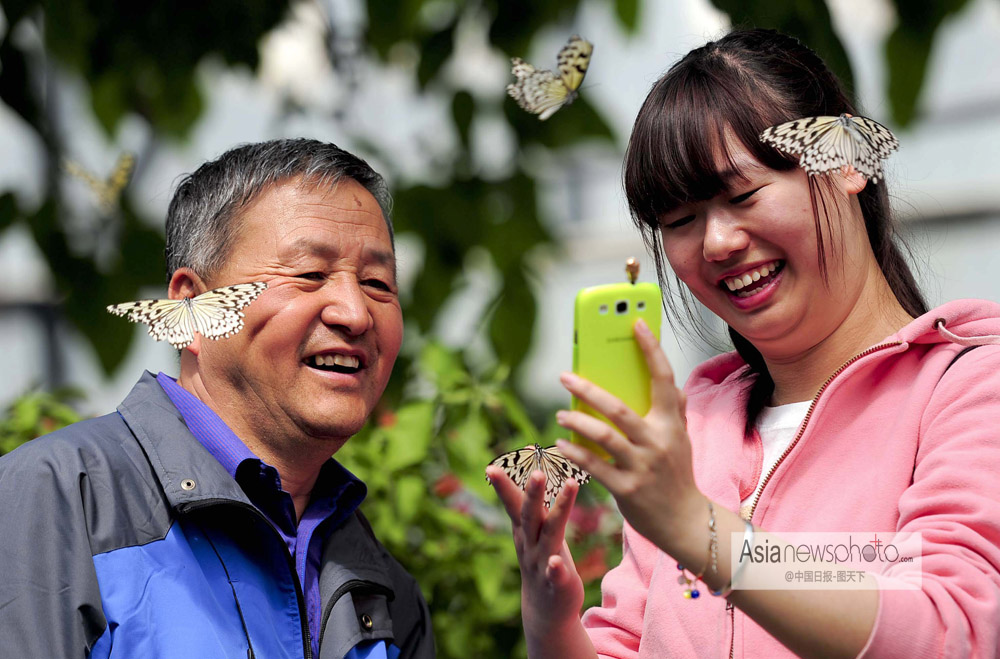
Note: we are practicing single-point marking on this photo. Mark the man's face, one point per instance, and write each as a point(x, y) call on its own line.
point(319, 344)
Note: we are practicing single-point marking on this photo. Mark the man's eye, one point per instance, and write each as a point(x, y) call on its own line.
point(377, 283)
point(739, 199)
point(676, 224)
point(315, 276)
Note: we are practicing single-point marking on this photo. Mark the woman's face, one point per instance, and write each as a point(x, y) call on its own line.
point(750, 255)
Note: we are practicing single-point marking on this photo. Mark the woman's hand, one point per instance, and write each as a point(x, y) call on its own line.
point(551, 589)
point(651, 477)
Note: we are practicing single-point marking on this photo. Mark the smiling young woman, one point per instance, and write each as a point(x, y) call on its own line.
point(847, 405)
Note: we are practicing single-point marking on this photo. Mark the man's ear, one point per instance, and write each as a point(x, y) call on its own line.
point(185, 282)
point(853, 181)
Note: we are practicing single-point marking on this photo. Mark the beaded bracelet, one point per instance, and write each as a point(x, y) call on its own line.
point(690, 583)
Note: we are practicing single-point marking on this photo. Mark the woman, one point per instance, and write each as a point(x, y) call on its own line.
point(889, 424)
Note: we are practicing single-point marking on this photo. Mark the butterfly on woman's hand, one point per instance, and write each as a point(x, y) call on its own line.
point(541, 92)
point(214, 314)
point(520, 464)
point(824, 144)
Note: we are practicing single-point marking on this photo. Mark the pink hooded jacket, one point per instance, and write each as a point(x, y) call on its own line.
point(898, 439)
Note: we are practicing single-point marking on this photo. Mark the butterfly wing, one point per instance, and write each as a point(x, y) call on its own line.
point(557, 471)
point(794, 137)
point(537, 92)
point(167, 319)
point(517, 464)
point(219, 312)
point(573, 61)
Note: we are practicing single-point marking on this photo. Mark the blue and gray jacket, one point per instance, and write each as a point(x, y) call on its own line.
point(122, 536)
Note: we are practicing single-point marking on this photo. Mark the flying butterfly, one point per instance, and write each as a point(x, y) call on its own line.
point(541, 92)
point(108, 192)
point(824, 144)
point(213, 314)
point(520, 464)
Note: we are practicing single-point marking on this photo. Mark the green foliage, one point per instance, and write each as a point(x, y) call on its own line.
point(36, 413)
point(430, 505)
point(908, 51)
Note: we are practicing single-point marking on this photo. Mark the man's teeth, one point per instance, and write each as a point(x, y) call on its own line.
point(736, 283)
point(347, 361)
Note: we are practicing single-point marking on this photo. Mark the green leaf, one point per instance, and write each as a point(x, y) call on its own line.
point(410, 436)
point(488, 579)
point(628, 14)
point(410, 494)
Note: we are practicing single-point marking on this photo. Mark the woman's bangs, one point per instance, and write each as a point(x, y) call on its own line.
point(680, 147)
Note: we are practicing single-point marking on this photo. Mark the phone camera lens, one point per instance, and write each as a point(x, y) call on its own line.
point(621, 306)
point(640, 305)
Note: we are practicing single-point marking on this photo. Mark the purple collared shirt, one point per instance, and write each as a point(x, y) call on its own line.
point(335, 496)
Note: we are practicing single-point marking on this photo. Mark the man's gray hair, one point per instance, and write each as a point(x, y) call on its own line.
point(202, 219)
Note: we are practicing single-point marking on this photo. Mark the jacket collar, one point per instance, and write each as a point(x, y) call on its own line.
point(187, 471)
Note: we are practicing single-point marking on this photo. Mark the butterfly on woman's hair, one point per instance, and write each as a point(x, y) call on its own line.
point(824, 144)
point(214, 314)
point(520, 464)
point(541, 92)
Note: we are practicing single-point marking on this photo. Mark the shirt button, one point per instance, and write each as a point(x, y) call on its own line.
point(366, 621)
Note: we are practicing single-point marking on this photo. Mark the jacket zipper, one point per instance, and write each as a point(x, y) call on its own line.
point(300, 596)
point(784, 454)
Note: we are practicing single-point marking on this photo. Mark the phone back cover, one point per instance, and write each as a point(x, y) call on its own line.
point(605, 351)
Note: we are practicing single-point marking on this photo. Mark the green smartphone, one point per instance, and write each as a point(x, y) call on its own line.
point(605, 351)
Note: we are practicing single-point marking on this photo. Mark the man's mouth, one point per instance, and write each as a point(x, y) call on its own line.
point(334, 362)
point(753, 281)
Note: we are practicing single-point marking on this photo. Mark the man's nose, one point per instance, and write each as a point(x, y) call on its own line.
point(724, 236)
point(346, 306)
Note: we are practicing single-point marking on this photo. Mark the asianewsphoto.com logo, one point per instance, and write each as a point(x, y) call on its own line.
point(874, 551)
point(849, 560)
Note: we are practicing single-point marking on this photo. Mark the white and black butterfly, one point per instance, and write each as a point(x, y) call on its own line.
point(521, 463)
point(824, 144)
point(213, 314)
point(541, 92)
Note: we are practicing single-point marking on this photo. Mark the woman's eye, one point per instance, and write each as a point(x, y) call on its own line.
point(739, 199)
point(676, 224)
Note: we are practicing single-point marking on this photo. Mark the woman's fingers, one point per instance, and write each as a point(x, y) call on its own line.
point(602, 434)
point(531, 510)
point(620, 414)
point(553, 532)
point(598, 467)
point(509, 493)
point(663, 389)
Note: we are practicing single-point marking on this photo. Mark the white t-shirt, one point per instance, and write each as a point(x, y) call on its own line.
point(777, 427)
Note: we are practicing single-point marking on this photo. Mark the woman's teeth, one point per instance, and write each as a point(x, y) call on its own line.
point(735, 284)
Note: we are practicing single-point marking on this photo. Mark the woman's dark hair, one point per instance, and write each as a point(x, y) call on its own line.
point(737, 86)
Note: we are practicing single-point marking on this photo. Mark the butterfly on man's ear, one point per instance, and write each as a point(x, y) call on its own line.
point(214, 314)
point(541, 92)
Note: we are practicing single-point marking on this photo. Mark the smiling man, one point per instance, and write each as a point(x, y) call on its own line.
point(206, 518)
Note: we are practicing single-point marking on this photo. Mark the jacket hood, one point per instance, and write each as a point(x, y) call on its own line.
point(963, 322)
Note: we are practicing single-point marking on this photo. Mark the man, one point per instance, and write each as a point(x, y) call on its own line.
point(206, 518)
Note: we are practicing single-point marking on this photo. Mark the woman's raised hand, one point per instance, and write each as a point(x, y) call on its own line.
point(651, 477)
point(551, 589)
